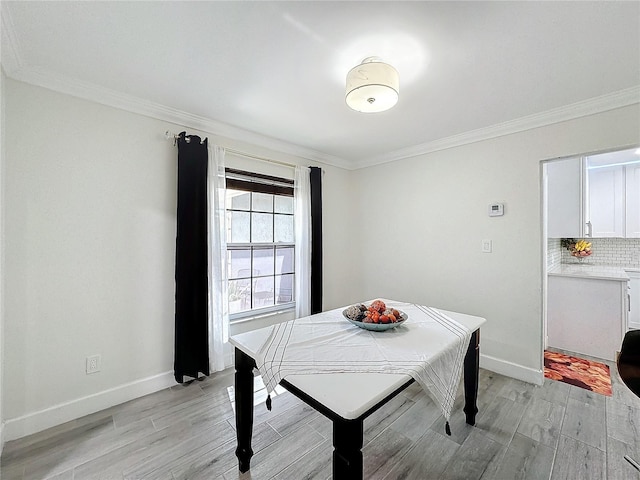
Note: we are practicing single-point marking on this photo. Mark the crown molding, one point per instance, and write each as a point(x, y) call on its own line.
point(619, 99)
point(130, 103)
point(9, 46)
point(15, 68)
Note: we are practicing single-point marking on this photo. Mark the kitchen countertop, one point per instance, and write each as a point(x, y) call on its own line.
point(600, 272)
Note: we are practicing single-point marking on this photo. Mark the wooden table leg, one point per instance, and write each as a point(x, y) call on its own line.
point(471, 373)
point(347, 449)
point(244, 408)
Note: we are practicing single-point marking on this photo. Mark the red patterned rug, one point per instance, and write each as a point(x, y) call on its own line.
point(576, 371)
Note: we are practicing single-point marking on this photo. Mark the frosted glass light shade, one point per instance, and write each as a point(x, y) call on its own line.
point(372, 86)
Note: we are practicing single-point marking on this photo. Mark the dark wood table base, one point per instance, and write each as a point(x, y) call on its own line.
point(347, 434)
point(244, 408)
point(471, 375)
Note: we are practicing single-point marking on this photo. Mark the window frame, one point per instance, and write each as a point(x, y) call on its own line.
point(259, 183)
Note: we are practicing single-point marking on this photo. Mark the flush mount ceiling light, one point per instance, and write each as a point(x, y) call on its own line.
point(372, 86)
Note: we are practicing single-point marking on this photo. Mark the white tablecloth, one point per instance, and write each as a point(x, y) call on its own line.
point(429, 346)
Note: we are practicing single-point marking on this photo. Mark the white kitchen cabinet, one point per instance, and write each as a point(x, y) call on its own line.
point(634, 299)
point(606, 201)
point(586, 315)
point(632, 196)
point(565, 215)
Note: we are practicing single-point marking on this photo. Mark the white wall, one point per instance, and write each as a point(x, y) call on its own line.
point(2, 159)
point(90, 235)
point(89, 206)
point(422, 220)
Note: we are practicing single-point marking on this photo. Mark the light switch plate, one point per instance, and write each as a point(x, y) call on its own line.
point(486, 246)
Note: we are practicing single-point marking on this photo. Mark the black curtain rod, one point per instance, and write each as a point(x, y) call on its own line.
point(169, 135)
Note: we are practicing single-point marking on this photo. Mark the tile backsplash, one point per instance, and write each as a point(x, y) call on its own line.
point(622, 252)
point(554, 252)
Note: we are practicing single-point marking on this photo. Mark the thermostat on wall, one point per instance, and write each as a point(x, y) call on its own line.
point(496, 209)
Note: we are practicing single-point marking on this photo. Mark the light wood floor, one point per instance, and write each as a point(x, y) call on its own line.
point(187, 432)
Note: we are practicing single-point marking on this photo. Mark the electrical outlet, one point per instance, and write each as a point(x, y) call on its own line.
point(93, 364)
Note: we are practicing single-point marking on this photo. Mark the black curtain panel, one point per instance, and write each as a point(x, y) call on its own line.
point(316, 239)
point(191, 353)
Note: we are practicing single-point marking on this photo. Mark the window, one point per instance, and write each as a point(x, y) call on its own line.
point(260, 243)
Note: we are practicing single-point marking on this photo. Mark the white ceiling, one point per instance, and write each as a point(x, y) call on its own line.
point(273, 73)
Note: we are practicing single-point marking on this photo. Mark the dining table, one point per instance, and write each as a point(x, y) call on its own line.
point(434, 347)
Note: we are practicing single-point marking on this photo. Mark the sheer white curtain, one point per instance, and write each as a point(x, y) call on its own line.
point(302, 222)
point(220, 351)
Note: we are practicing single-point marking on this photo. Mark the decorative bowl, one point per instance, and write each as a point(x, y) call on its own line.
point(378, 327)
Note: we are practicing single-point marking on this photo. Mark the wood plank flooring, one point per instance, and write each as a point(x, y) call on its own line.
point(555, 432)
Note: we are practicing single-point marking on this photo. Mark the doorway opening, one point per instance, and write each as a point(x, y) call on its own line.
point(591, 251)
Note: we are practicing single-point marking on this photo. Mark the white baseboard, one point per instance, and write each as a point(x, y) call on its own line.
point(1, 436)
point(634, 326)
point(37, 421)
point(512, 370)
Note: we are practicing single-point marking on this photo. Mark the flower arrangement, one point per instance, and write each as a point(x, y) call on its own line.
point(579, 248)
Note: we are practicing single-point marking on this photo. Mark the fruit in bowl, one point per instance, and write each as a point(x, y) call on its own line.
point(377, 312)
point(581, 248)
